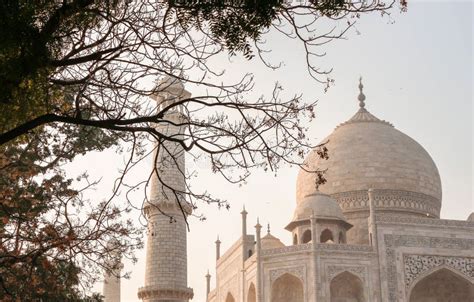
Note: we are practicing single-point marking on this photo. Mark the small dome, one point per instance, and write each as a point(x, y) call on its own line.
point(271, 242)
point(320, 205)
point(471, 217)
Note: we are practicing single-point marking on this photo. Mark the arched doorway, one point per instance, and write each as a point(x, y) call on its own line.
point(326, 236)
point(287, 288)
point(306, 236)
point(442, 285)
point(347, 287)
point(252, 295)
point(229, 298)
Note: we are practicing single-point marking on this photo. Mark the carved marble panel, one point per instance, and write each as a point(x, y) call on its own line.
point(298, 271)
point(334, 270)
point(393, 242)
point(416, 265)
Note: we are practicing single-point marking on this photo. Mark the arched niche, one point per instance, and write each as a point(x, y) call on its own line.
point(442, 285)
point(252, 294)
point(229, 298)
point(306, 236)
point(347, 287)
point(287, 288)
point(326, 235)
point(295, 239)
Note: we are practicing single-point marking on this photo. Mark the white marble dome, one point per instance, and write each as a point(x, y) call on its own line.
point(366, 152)
point(471, 217)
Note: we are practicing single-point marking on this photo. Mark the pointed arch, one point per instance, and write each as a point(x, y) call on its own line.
point(295, 239)
point(326, 235)
point(347, 287)
point(252, 294)
point(306, 236)
point(229, 298)
point(287, 288)
point(442, 284)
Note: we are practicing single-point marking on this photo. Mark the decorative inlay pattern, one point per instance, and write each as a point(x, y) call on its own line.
point(287, 249)
point(319, 246)
point(344, 247)
point(334, 270)
point(392, 242)
point(415, 202)
point(416, 265)
point(400, 219)
point(298, 271)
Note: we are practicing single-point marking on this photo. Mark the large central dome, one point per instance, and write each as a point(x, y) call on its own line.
point(366, 152)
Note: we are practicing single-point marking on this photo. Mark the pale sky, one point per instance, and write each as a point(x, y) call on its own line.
point(418, 75)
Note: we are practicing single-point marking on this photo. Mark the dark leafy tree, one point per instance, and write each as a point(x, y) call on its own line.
point(77, 75)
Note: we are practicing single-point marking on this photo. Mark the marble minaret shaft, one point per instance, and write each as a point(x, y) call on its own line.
point(166, 259)
point(111, 289)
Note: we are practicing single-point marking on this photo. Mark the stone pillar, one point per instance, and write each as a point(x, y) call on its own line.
point(208, 285)
point(371, 222)
point(314, 231)
point(312, 292)
point(218, 248)
point(259, 279)
point(167, 209)
point(377, 291)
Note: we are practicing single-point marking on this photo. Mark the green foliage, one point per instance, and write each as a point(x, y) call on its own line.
point(35, 249)
point(235, 26)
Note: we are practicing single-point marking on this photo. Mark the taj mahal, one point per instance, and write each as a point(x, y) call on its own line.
point(371, 233)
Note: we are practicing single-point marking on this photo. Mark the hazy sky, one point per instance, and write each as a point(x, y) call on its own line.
point(418, 75)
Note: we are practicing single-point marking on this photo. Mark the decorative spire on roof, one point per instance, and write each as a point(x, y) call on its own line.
point(268, 228)
point(362, 115)
point(361, 96)
point(258, 226)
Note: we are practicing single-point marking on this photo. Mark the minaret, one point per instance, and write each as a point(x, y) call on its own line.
point(208, 285)
point(111, 289)
point(218, 248)
point(166, 258)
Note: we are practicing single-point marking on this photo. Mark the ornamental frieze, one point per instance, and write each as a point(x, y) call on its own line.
point(417, 202)
point(287, 249)
point(403, 219)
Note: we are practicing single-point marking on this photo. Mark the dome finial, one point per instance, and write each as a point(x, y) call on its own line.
point(361, 96)
point(268, 228)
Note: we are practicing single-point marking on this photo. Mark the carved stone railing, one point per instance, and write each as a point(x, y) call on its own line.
point(344, 247)
point(400, 219)
point(287, 249)
point(319, 247)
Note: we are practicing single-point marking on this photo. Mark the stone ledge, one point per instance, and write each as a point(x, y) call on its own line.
point(400, 219)
point(156, 292)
